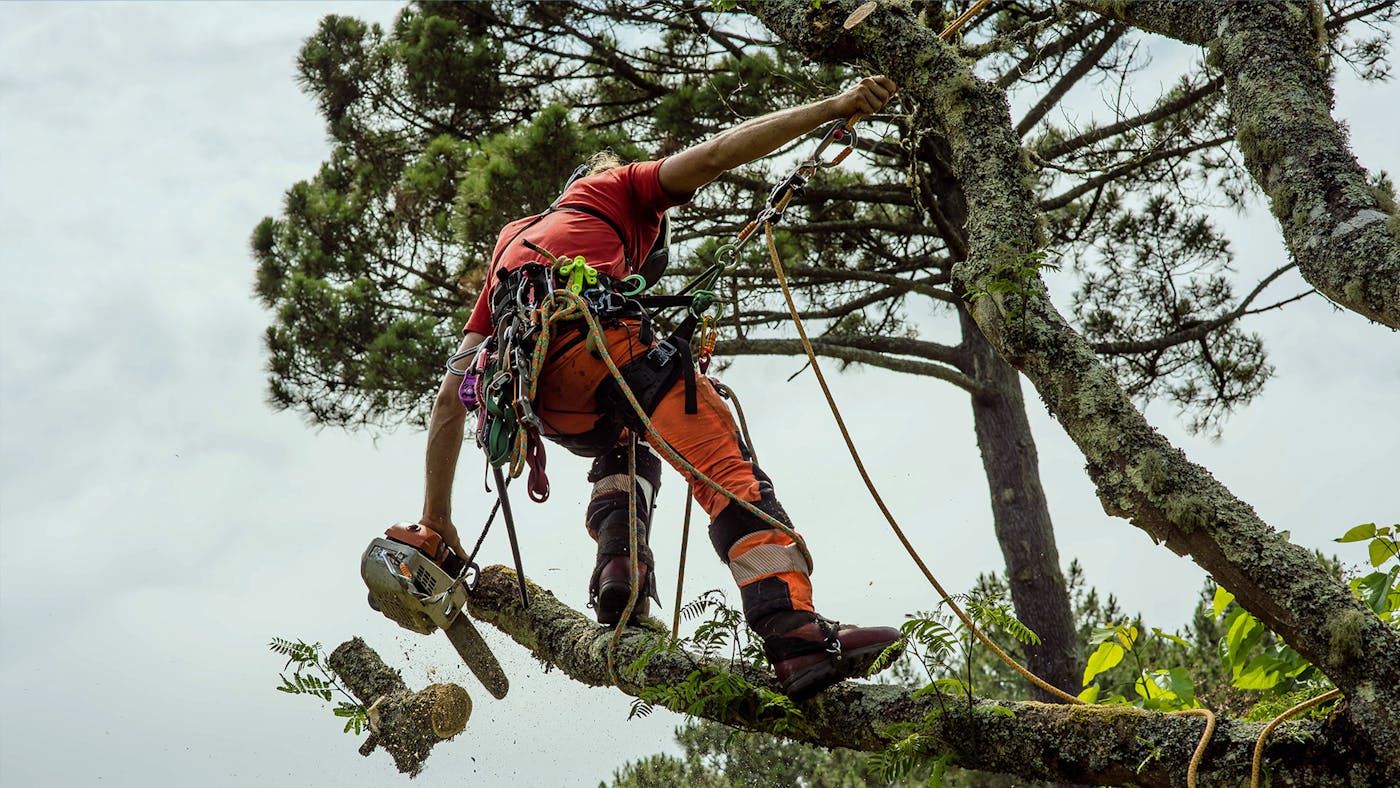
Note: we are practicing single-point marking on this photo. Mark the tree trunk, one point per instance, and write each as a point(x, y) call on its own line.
point(1021, 516)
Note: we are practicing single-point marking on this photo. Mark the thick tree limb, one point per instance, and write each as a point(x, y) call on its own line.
point(406, 724)
point(1138, 473)
point(1345, 237)
point(1095, 745)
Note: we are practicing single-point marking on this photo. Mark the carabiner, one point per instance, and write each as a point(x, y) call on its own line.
point(641, 284)
point(468, 353)
point(843, 133)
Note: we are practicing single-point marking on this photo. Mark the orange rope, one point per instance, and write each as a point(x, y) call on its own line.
point(1025, 673)
point(1258, 759)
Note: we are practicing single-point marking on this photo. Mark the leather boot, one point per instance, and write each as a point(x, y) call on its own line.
point(816, 653)
point(607, 521)
point(614, 587)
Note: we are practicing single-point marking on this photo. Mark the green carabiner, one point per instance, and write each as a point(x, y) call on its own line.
point(702, 300)
point(726, 254)
point(641, 284)
point(579, 273)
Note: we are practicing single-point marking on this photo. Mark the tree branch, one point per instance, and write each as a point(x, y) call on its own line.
point(1108, 176)
point(406, 724)
point(1163, 110)
point(1070, 79)
point(1199, 330)
point(1344, 236)
point(1095, 745)
point(851, 350)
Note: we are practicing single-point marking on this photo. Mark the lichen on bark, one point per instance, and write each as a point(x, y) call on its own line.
point(1080, 744)
point(1274, 58)
point(1191, 512)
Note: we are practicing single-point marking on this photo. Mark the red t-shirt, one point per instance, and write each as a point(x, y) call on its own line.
point(630, 195)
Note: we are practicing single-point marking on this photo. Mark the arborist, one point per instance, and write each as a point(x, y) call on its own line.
point(609, 225)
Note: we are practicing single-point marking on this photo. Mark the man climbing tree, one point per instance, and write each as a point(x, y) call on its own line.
point(602, 223)
point(982, 204)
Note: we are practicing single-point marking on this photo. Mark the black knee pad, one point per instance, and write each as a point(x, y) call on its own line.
point(735, 521)
point(607, 517)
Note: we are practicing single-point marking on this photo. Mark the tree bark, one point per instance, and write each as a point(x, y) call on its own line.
point(1082, 744)
point(1138, 473)
point(406, 724)
point(1021, 516)
point(1344, 235)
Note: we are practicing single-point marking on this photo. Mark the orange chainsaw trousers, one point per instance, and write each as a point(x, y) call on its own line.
point(567, 404)
point(765, 563)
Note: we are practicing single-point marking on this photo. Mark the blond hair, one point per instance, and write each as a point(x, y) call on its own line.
point(604, 160)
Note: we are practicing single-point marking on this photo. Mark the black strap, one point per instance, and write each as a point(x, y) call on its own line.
point(681, 338)
point(597, 214)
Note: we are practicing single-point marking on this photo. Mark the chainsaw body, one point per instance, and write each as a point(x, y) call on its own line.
point(417, 582)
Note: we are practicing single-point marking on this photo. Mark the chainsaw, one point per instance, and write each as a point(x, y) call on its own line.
point(419, 583)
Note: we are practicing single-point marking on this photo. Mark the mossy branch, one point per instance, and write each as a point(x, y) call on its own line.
point(1095, 745)
point(1344, 232)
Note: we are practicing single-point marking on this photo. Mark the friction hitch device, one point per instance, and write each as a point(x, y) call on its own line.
point(419, 583)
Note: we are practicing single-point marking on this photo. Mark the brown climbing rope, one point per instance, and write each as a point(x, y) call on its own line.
point(1257, 761)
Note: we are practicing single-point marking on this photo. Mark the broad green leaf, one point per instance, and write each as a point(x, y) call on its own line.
point(1222, 599)
point(1373, 588)
point(1127, 636)
point(1358, 534)
point(1089, 694)
point(1242, 630)
point(1262, 673)
point(1106, 656)
point(1382, 550)
point(1173, 638)
point(1100, 634)
point(1178, 682)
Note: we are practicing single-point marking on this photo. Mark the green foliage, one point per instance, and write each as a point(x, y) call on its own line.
point(1380, 589)
point(1016, 276)
point(717, 690)
point(1162, 270)
point(1254, 674)
point(1166, 689)
point(310, 657)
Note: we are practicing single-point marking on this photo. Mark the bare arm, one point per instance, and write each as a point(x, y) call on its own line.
point(445, 430)
point(694, 167)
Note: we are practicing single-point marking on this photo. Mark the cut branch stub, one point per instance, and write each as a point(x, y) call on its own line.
point(406, 724)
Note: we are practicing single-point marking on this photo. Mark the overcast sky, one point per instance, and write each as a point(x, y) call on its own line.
point(159, 523)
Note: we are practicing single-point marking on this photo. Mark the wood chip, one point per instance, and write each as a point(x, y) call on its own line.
point(857, 16)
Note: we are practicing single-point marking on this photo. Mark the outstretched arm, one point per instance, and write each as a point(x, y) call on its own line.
point(445, 430)
point(694, 167)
